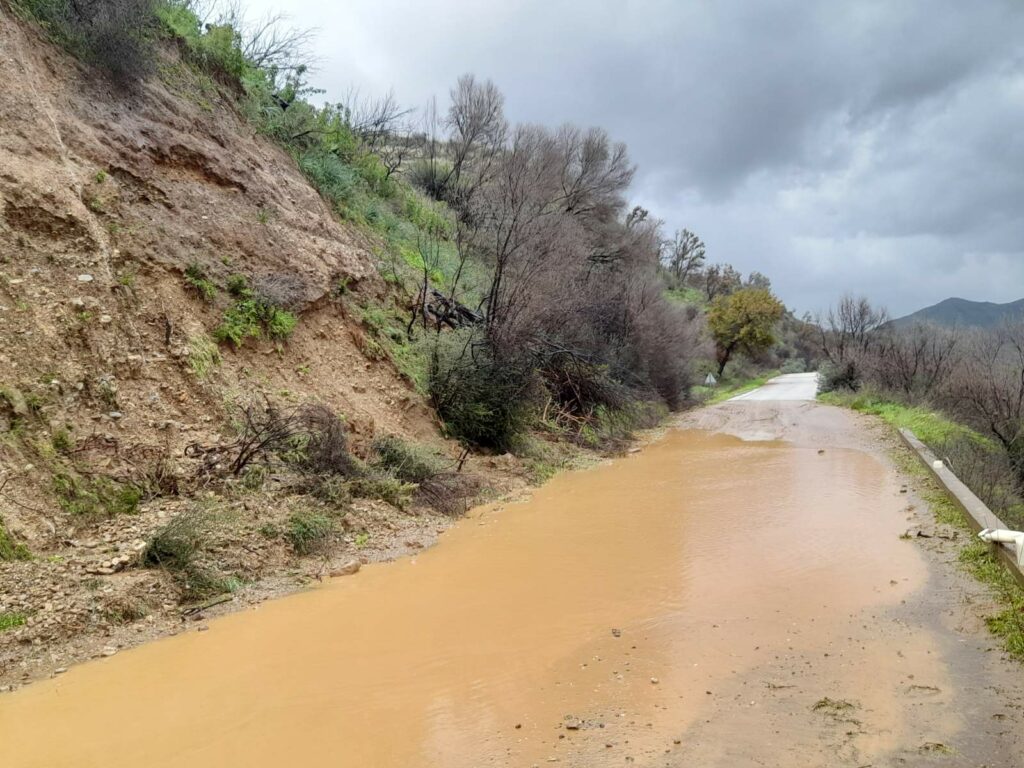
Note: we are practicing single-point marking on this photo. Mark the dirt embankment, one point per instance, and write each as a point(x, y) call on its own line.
point(106, 197)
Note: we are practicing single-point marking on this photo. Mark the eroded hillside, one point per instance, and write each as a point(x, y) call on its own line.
point(124, 216)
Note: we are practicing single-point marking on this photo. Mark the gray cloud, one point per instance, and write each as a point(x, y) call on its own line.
point(869, 146)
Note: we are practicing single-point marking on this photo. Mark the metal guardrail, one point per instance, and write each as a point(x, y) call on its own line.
point(980, 517)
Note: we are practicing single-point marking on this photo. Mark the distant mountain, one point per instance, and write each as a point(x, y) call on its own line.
point(964, 313)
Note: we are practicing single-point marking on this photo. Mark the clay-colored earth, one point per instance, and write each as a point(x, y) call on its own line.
point(712, 600)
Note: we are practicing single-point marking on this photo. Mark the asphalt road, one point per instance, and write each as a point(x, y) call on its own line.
point(791, 386)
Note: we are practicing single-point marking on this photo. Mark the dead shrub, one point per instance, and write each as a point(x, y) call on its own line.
point(326, 442)
point(263, 430)
point(449, 493)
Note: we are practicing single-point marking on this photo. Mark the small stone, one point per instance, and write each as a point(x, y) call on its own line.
point(616, 632)
point(654, 681)
point(109, 650)
point(106, 319)
point(85, 278)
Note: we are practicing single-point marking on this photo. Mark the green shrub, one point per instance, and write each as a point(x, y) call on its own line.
point(280, 323)
point(177, 543)
point(178, 547)
point(11, 549)
point(309, 532)
point(324, 448)
point(484, 398)
point(611, 429)
point(382, 485)
point(216, 48)
point(61, 440)
point(838, 378)
point(333, 490)
point(96, 496)
point(337, 182)
point(408, 462)
point(238, 286)
point(250, 318)
point(197, 281)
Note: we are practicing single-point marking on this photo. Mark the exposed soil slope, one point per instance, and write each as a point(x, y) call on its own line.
point(106, 197)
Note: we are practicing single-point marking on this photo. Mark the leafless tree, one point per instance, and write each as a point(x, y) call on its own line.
point(683, 256)
point(478, 132)
point(374, 120)
point(987, 390)
point(915, 361)
point(268, 42)
point(847, 328)
point(593, 172)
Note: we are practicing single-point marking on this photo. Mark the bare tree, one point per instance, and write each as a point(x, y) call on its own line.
point(683, 256)
point(915, 361)
point(374, 120)
point(593, 172)
point(848, 328)
point(477, 135)
point(267, 42)
point(988, 391)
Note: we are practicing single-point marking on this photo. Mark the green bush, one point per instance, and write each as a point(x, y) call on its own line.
point(197, 281)
point(337, 182)
point(177, 544)
point(484, 398)
point(11, 549)
point(61, 440)
point(216, 48)
point(309, 532)
point(408, 462)
point(97, 496)
point(839, 377)
point(382, 485)
point(179, 547)
point(334, 491)
point(250, 318)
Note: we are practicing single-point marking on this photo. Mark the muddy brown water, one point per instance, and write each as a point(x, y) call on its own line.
point(628, 597)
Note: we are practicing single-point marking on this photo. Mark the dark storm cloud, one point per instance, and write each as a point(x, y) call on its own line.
point(867, 146)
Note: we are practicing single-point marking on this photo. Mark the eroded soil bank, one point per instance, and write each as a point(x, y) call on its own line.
point(708, 601)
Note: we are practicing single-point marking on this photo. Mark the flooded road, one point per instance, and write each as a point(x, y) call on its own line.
point(708, 599)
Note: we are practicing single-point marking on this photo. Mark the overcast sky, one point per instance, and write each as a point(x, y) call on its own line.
point(874, 147)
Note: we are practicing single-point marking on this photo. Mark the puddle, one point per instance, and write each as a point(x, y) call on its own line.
point(709, 557)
